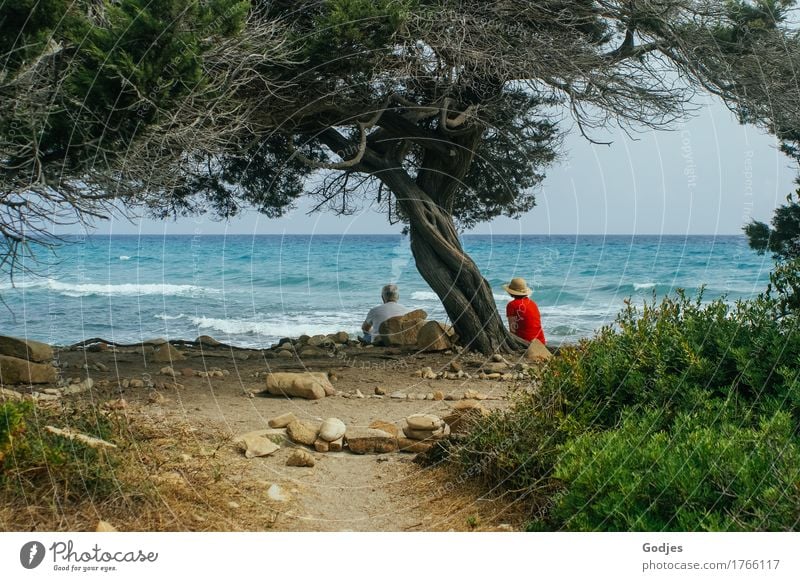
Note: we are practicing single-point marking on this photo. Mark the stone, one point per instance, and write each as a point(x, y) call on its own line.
point(156, 397)
point(427, 434)
point(303, 432)
point(136, 383)
point(187, 372)
point(282, 420)
point(380, 391)
point(321, 445)
point(169, 371)
point(537, 352)
point(275, 435)
point(207, 341)
point(403, 330)
point(455, 367)
point(385, 426)
point(413, 446)
point(370, 441)
point(434, 336)
point(116, 404)
point(438, 395)
point(336, 445)
point(332, 429)
point(307, 385)
point(495, 367)
point(278, 494)
point(319, 341)
point(310, 351)
point(26, 349)
point(71, 434)
point(14, 370)
point(80, 387)
point(103, 526)
point(341, 337)
point(424, 422)
point(474, 394)
point(301, 458)
point(398, 395)
point(285, 354)
point(302, 340)
point(101, 367)
point(8, 394)
point(255, 446)
point(166, 353)
point(358, 394)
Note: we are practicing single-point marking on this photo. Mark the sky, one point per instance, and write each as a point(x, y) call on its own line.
point(709, 175)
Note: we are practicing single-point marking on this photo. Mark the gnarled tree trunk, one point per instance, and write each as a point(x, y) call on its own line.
point(451, 273)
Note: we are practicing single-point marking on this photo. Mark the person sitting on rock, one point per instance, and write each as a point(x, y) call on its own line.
point(523, 315)
point(377, 315)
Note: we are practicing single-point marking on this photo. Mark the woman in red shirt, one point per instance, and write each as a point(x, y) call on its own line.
point(523, 315)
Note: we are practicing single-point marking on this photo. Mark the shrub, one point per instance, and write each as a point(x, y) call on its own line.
point(704, 474)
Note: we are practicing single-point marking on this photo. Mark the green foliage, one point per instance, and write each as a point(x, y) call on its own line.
point(783, 238)
point(33, 460)
point(706, 473)
point(680, 416)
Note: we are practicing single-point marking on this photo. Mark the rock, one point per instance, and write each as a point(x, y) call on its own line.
point(285, 354)
point(169, 371)
point(493, 376)
point(101, 367)
point(358, 394)
point(424, 422)
point(14, 370)
point(385, 426)
point(438, 396)
point(103, 526)
point(275, 435)
point(278, 494)
point(380, 391)
point(495, 367)
point(8, 394)
point(302, 340)
point(207, 341)
point(336, 445)
point(537, 352)
point(319, 341)
point(341, 337)
point(156, 397)
point(187, 372)
point(369, 441)
point(75, 388)
point(71, 434)
point(402, 330)
point(398, 395)
point(434, 336)
point(309, 351)
point(332, 429)
point(413, 446)
point(166, 353)
point(301, 458)
point(282, 420)
point(321, 445)
point(427, 434)
point(497, 358)
point(306, 385)
point(473, 394)
point(116, 404)
point(303, 432)
point(156, 341)
point(455, 367)
point(136, 383)
point(255, 446)
point(25, 349)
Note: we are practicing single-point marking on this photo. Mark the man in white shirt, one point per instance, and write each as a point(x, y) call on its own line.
point(377, 315)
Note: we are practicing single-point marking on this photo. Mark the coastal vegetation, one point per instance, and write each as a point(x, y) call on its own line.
point(444, 114)
point(680, 416)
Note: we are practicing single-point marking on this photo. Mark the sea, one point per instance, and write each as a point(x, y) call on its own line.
point(253, 290)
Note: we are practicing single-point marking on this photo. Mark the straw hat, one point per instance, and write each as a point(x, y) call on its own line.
point(518, 287)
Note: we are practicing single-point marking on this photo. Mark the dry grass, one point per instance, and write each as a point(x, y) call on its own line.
point(164, 476)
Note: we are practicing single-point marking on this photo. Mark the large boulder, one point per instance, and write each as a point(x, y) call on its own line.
point(435, 336)
point(537, 352)
point(166, 353)
point(308, 385)
point(14, 370)
point(402, 331)
point(369, 441)
point(25, 349)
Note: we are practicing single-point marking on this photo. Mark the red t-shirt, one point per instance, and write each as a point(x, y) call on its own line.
point(529, 321)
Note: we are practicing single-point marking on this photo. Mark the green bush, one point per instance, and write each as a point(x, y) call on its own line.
point(715, 383)
point(704, 474)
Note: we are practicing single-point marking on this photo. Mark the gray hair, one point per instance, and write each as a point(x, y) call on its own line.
point(390, 293)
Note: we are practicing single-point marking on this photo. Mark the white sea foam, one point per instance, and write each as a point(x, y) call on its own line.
point(126, 289)
point(123, 257)
point(290, 326)
point(643, 285)
point(166, 317)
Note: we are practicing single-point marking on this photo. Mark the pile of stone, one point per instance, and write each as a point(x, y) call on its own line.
point(306, 346)
point(24, 362)
point(425, 427)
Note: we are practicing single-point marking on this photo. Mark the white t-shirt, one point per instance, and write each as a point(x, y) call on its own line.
point(379, 314)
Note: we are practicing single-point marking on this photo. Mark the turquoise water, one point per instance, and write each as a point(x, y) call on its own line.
point(252, 290)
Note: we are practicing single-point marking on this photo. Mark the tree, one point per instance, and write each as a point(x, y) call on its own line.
point(442, 112)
